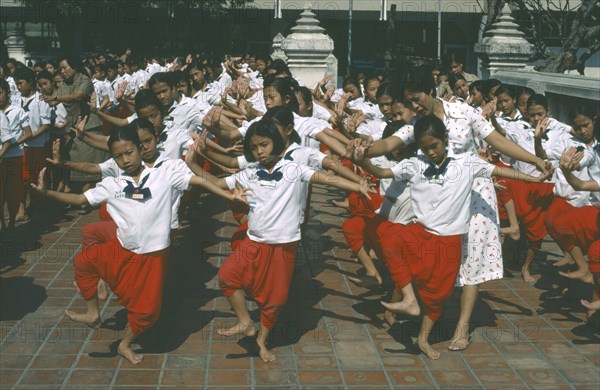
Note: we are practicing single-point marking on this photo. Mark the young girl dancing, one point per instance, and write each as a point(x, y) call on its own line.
point(426, 255)
point(133, 264)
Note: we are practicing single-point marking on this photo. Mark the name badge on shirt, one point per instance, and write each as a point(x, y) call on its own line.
point(145, 194)
point(436, 180)
point(266, 183)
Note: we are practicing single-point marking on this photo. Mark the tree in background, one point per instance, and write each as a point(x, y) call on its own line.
point(569, 24)
point(72, 17)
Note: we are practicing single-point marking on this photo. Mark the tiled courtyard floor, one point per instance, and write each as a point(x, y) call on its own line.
point(330, 335)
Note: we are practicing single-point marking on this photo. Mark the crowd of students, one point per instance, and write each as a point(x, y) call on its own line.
point(438, 167)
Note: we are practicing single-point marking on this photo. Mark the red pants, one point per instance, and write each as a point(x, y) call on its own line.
point(264, 272)
point(98, 233)
point(531, 202)
point(558, 207)
point(137, 279)
point(361, 208)
point(239, 235)
point(594, 257)
point(429, 261)
point(103, 213)
point(578, 227)
point(11, 184)
point(34, 159)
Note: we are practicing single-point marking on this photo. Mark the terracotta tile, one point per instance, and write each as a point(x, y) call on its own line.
point(190, 348)
point(275, 377)
point(498, 376)
point(86, 361)
point(313, 348)
point(228, 377)
point(91, 377)
point(319, 377)
point(53, 361)
point(403, 361)
point(541, 377)
point(186, 361)
point(453, 377)
point(137, 377)
point(357, 354)
point(20, 347)
point(220, 348)
point(364, 377)
point(44, 377)
point(9, 377)
point(485, 362)
point(61, 348)
point(223, 362)
point(316, 362)
point(582, 375)
point(561, 348)
point(183, 377)
point(8, 361)
point(516, 348)
point(410, 377)
point(447, 361)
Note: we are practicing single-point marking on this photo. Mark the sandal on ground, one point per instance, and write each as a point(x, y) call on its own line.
point(468, 340)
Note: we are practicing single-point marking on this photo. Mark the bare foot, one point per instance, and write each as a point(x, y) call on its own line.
point(513, 232)
point(90, 319)
point(595, 305)
point(527, 278)
point(126, 351)
point(411, 308)
point(341, 203)
point(102, 291)
point(239, 330)
point(266, 355)
point(367, 281)
point(567, 260)
point(428, 350)
point(583, 275)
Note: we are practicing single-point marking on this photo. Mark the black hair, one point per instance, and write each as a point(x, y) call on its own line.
point(162, 77)
point(525, 91)
point(264, 58)
point(113, 64)
point(537, 100)
point(143, 123)
point(488, 85)
point(507, 89)
point(145, 98)
point(75, 63)
point(370, 77)
point(453, 78)
point(280, 67)
point(350, 80)
point(44, 74)
point(306, 94)
point(430, 125)
point(127, 133)
point(25, 74)
point(103, 67)
point(589, 111)
point(285, 117)
point(388, 89)
point(475, 85)
point(263, 128)
point(285, 86)
point(418, 79)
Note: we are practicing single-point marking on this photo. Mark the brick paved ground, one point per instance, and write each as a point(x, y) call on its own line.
point(330, 336)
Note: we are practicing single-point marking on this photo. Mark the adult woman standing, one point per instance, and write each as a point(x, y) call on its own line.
point(74, 94)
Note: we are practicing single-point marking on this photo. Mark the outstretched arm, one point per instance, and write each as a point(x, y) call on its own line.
point(569, 160)
point(63, 197)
